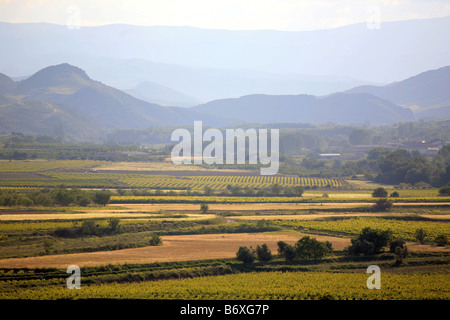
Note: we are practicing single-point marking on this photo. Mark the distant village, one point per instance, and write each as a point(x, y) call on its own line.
point(426, 148)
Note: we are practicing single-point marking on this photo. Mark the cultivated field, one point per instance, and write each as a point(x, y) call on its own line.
point(196, 256)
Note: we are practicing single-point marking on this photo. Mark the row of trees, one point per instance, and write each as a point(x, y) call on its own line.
point(305, 248)
point(274, 190)
point(61, 196)
point(402, 166)
point(368, 242)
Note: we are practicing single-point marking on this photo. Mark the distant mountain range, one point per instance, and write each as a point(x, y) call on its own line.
point(336, 108)
point(64, 98)
point(217, 64)
point(426, 94)
point(156, 93)
point(64, 95)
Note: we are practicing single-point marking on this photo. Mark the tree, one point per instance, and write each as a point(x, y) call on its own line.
point(370, 241)
point(286, 250)
point(245, 255)
point(394, 194)
point(383, 204)
point(208, 191)
point(102, 197)
point(298, 190)
point(263, 253)
point(275, 189)
point(420, 235)
point(360, 137)
point(204, 208)
point(289, 253)
point(235, 190)
point(359, 246)
point(308, 248)
point(281, 246)
point(84, 201)
point(399, 249)
point(396, 243)
point(379, 192)
point(43, 199)
point(64, 197)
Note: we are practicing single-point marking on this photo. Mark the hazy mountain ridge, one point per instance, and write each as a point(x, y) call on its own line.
point(64, 95)
point(162, 95)
point(74, 100)
point(336, 108)
point(427, 89)
point(216, 64)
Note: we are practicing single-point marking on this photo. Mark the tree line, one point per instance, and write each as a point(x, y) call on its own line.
point(60, 196)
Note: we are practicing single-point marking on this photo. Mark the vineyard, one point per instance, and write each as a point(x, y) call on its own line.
point(220, 183)
point(197, 256)
point(79, 173)
point(401, 228)
point(254, 286)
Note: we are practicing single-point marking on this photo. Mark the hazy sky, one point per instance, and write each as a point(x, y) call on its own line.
point(221, 14)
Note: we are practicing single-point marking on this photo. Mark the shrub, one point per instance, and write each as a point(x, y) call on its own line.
point(65, 232)
point(383, 204)
point(444, 191)
point(245, 255)
point(204, 208)
point(155, 240)
point(441, 240)
point(89, 228)
point(400, 254)
point(114, 224)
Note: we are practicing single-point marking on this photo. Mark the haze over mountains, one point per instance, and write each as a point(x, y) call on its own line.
point(65, 96)
point(215, 64)
point(91, 81)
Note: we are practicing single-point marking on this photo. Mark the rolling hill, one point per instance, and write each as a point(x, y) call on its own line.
point(336, 108)
point(66, 94)
point(427, 93)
